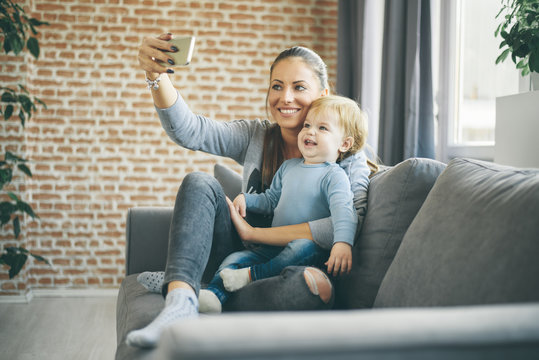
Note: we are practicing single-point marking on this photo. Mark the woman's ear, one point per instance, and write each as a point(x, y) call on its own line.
point(347, 144)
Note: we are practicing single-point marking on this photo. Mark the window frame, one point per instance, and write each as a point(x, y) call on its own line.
point(448, 88)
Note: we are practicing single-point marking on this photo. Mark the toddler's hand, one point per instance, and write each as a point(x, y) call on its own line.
point(340, 259)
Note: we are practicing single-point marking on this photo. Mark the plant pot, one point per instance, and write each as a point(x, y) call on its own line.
point(534, 81)
point(516, 130)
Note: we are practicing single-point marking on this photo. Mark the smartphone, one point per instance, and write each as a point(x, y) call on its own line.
point(182, 57)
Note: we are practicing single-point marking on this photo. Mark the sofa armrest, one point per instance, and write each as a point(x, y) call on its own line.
point(147, 231)
point(469, 332)
point(147, 228)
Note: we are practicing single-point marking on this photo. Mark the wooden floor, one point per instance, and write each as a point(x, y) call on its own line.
point(59, 328)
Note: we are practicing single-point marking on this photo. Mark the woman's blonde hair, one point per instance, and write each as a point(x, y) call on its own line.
point(351, 118)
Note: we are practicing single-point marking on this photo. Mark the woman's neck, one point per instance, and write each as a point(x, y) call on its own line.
point(290, 139)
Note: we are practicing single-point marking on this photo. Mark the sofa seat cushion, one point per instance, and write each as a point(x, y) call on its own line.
point(395, 196)
point(475, 240)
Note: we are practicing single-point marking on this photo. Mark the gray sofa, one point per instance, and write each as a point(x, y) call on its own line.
point(446, 266)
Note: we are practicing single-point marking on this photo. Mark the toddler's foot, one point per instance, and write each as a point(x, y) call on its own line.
point(208, 302)
point(152, 280)
point(234, 280)
point(179, 304)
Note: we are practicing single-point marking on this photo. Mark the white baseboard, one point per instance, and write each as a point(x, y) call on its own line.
point(17, 299)
point(57, 293)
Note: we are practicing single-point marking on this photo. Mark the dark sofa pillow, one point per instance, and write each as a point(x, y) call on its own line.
point(395, 196)
point(474, 241)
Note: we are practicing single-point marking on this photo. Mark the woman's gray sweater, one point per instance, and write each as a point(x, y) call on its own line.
point(243, 141)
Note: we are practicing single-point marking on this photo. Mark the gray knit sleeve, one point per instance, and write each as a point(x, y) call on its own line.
point(358, 172)
point(199, 133)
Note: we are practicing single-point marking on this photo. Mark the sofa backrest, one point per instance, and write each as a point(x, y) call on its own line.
point(395, 196)
point(474, 241)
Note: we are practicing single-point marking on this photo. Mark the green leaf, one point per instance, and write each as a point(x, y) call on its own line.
point(13, 158)
point(22, 117)
point(16, 263)
point(10, 157)
point(25, 90)
point(15, 258)
point(6, 210)
point(41, 102)
point(5, 176)
point(7, 46)
point(8, 112)
point(521, 64)
point(36, 22)
point(497, 30)
point(16, 227)
point(40, 258)
point(16, 43)
point(13, 196)
point(24, 169)
point(502, 56)
point(21, 205)
point(33, 46)
point(26, 104)
point(8, 97)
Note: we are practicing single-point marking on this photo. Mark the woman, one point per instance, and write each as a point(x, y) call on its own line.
point(201, 233)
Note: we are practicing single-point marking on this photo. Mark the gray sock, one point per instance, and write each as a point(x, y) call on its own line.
point(179, 304)
point(152, 280)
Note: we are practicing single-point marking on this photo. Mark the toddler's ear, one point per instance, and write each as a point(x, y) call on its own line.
point(347, 143)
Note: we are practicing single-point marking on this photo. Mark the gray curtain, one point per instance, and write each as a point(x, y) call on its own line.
point(406, 126)
point(349, 48)
point(406, 105)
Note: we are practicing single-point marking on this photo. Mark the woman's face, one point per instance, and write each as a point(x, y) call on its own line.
point(293, 87)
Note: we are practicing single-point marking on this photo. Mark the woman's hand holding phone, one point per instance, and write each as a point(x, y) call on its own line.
point(158, 55)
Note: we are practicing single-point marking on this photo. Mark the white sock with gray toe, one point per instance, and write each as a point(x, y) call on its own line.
point(208, 302)
point(234, 280)
point(179, 304)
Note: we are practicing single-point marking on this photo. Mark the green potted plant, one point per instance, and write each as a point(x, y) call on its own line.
point(18, 34)
point(520, 33)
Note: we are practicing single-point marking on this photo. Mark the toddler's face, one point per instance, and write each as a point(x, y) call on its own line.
point(321, 138)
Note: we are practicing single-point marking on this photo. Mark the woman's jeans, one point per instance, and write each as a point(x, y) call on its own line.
point(267, 261)
point(202, 236)
point(200, 231)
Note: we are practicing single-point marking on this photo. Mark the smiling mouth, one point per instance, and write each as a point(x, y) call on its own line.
point(309, 142)
point(288, 111)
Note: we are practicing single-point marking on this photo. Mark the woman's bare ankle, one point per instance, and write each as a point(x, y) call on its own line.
point(179, 285)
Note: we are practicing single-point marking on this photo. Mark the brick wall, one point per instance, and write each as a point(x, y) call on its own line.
point(99, 148)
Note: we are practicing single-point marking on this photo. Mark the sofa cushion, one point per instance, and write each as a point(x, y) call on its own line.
point(229, 180)
point(474, 241)
point(395, 196)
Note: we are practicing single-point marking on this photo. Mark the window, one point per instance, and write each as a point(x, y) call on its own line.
point(469, 81)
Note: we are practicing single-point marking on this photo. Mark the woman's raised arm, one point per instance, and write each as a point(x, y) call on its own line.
point(163, 92)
